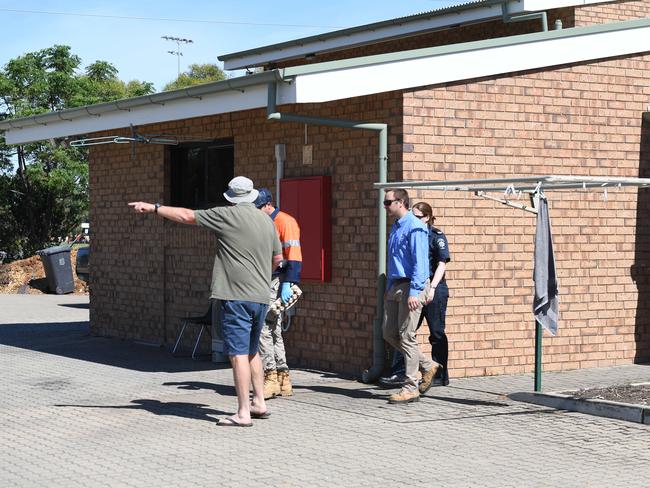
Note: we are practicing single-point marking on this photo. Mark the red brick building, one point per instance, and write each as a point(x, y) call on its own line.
point(464, 93)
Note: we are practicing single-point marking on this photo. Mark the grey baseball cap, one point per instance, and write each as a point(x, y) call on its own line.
point(241, 190)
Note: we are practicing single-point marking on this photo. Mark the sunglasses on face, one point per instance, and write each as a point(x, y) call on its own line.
point(388, 203)
point(420, 216)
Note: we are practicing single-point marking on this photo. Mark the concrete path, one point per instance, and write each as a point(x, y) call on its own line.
point(77, 410)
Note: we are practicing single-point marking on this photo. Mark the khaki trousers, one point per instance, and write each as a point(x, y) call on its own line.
point(272, 350)
point(399, 329)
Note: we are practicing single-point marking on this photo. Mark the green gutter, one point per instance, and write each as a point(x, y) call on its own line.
point(379, 354)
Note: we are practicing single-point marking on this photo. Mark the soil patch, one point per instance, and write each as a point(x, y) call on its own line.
point(637, 394)
point(28, 276)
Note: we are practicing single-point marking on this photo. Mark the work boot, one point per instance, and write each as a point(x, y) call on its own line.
point(427, 379)
point(405, 396)
point(285, 383)
point(271, 384)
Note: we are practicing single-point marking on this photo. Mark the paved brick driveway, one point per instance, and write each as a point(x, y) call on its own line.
point(77, 410)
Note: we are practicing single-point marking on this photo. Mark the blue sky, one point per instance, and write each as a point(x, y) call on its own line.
point(134, 44)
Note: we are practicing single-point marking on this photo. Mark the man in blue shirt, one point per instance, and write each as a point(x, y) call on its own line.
point(407, 291)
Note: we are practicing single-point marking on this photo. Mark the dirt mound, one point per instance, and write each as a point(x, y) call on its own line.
point(638, 394)
point(28, 276)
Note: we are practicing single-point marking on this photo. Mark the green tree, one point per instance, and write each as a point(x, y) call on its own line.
point(101, 84)
point(197, 74)
point(44, 185)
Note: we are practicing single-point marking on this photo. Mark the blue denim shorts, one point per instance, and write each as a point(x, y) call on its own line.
point(241, 325)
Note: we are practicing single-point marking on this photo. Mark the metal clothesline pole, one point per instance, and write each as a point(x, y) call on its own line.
point(537, 385)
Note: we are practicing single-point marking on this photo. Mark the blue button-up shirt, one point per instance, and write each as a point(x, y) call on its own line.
point(408, 253)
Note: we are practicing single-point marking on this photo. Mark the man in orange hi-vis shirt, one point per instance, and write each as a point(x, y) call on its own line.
point(276, 372)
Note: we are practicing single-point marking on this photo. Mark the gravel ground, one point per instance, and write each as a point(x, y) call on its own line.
point(635, 393)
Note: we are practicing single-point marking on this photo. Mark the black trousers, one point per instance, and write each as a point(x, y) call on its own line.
point(434, 313)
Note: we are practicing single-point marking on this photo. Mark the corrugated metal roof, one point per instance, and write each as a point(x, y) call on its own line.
point(367, 27)
point(448, 8)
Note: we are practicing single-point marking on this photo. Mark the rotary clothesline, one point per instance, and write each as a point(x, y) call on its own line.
point(516, 186)
point(545, 304)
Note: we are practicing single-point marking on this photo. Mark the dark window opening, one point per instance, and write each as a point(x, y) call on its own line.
point(200, 173)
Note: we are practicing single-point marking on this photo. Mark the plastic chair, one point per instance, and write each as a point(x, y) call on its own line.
point(204, 322)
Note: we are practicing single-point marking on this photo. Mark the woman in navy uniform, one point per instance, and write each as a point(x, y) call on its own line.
point(435, 310)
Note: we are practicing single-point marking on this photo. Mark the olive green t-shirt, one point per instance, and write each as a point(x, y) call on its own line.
point(246, 244)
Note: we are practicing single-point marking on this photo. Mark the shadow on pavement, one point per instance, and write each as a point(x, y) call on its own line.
point(73, 340)
point(331, 375)
point(383, 394)
point(194, 411)
point(544, 411)
point(466, 401)
point(348, 392)
point(83, 306)
point(225, 390)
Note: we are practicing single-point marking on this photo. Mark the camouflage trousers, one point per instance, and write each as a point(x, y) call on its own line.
point(271, 343)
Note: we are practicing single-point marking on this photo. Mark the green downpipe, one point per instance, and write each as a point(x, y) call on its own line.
point(379, 354)
point(523, 17)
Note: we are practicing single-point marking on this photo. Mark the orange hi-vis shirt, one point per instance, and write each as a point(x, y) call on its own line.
point(289, 234)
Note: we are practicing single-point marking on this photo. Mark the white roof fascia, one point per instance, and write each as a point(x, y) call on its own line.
point(359, 37)
point(469, 64)
point(212, 104)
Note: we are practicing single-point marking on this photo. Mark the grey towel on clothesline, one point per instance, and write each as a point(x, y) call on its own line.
point(545, 304)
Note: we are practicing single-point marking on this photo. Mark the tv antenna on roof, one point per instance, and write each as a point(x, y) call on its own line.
point(178, 53)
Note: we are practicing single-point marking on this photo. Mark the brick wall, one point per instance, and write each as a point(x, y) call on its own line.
point(578, 120)
point(147, 273)
point(582, 120)
point(574, 120)
point(612, 12)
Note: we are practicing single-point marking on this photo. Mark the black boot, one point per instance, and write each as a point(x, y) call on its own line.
point(441, 378)
point(439, 353)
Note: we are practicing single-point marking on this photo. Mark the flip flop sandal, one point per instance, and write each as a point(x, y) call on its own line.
point(263, 415)
point(231, 422)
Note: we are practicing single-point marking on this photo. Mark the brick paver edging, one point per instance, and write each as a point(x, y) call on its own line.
point(602, 408)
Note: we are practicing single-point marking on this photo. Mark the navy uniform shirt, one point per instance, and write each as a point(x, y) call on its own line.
point(438, 250)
